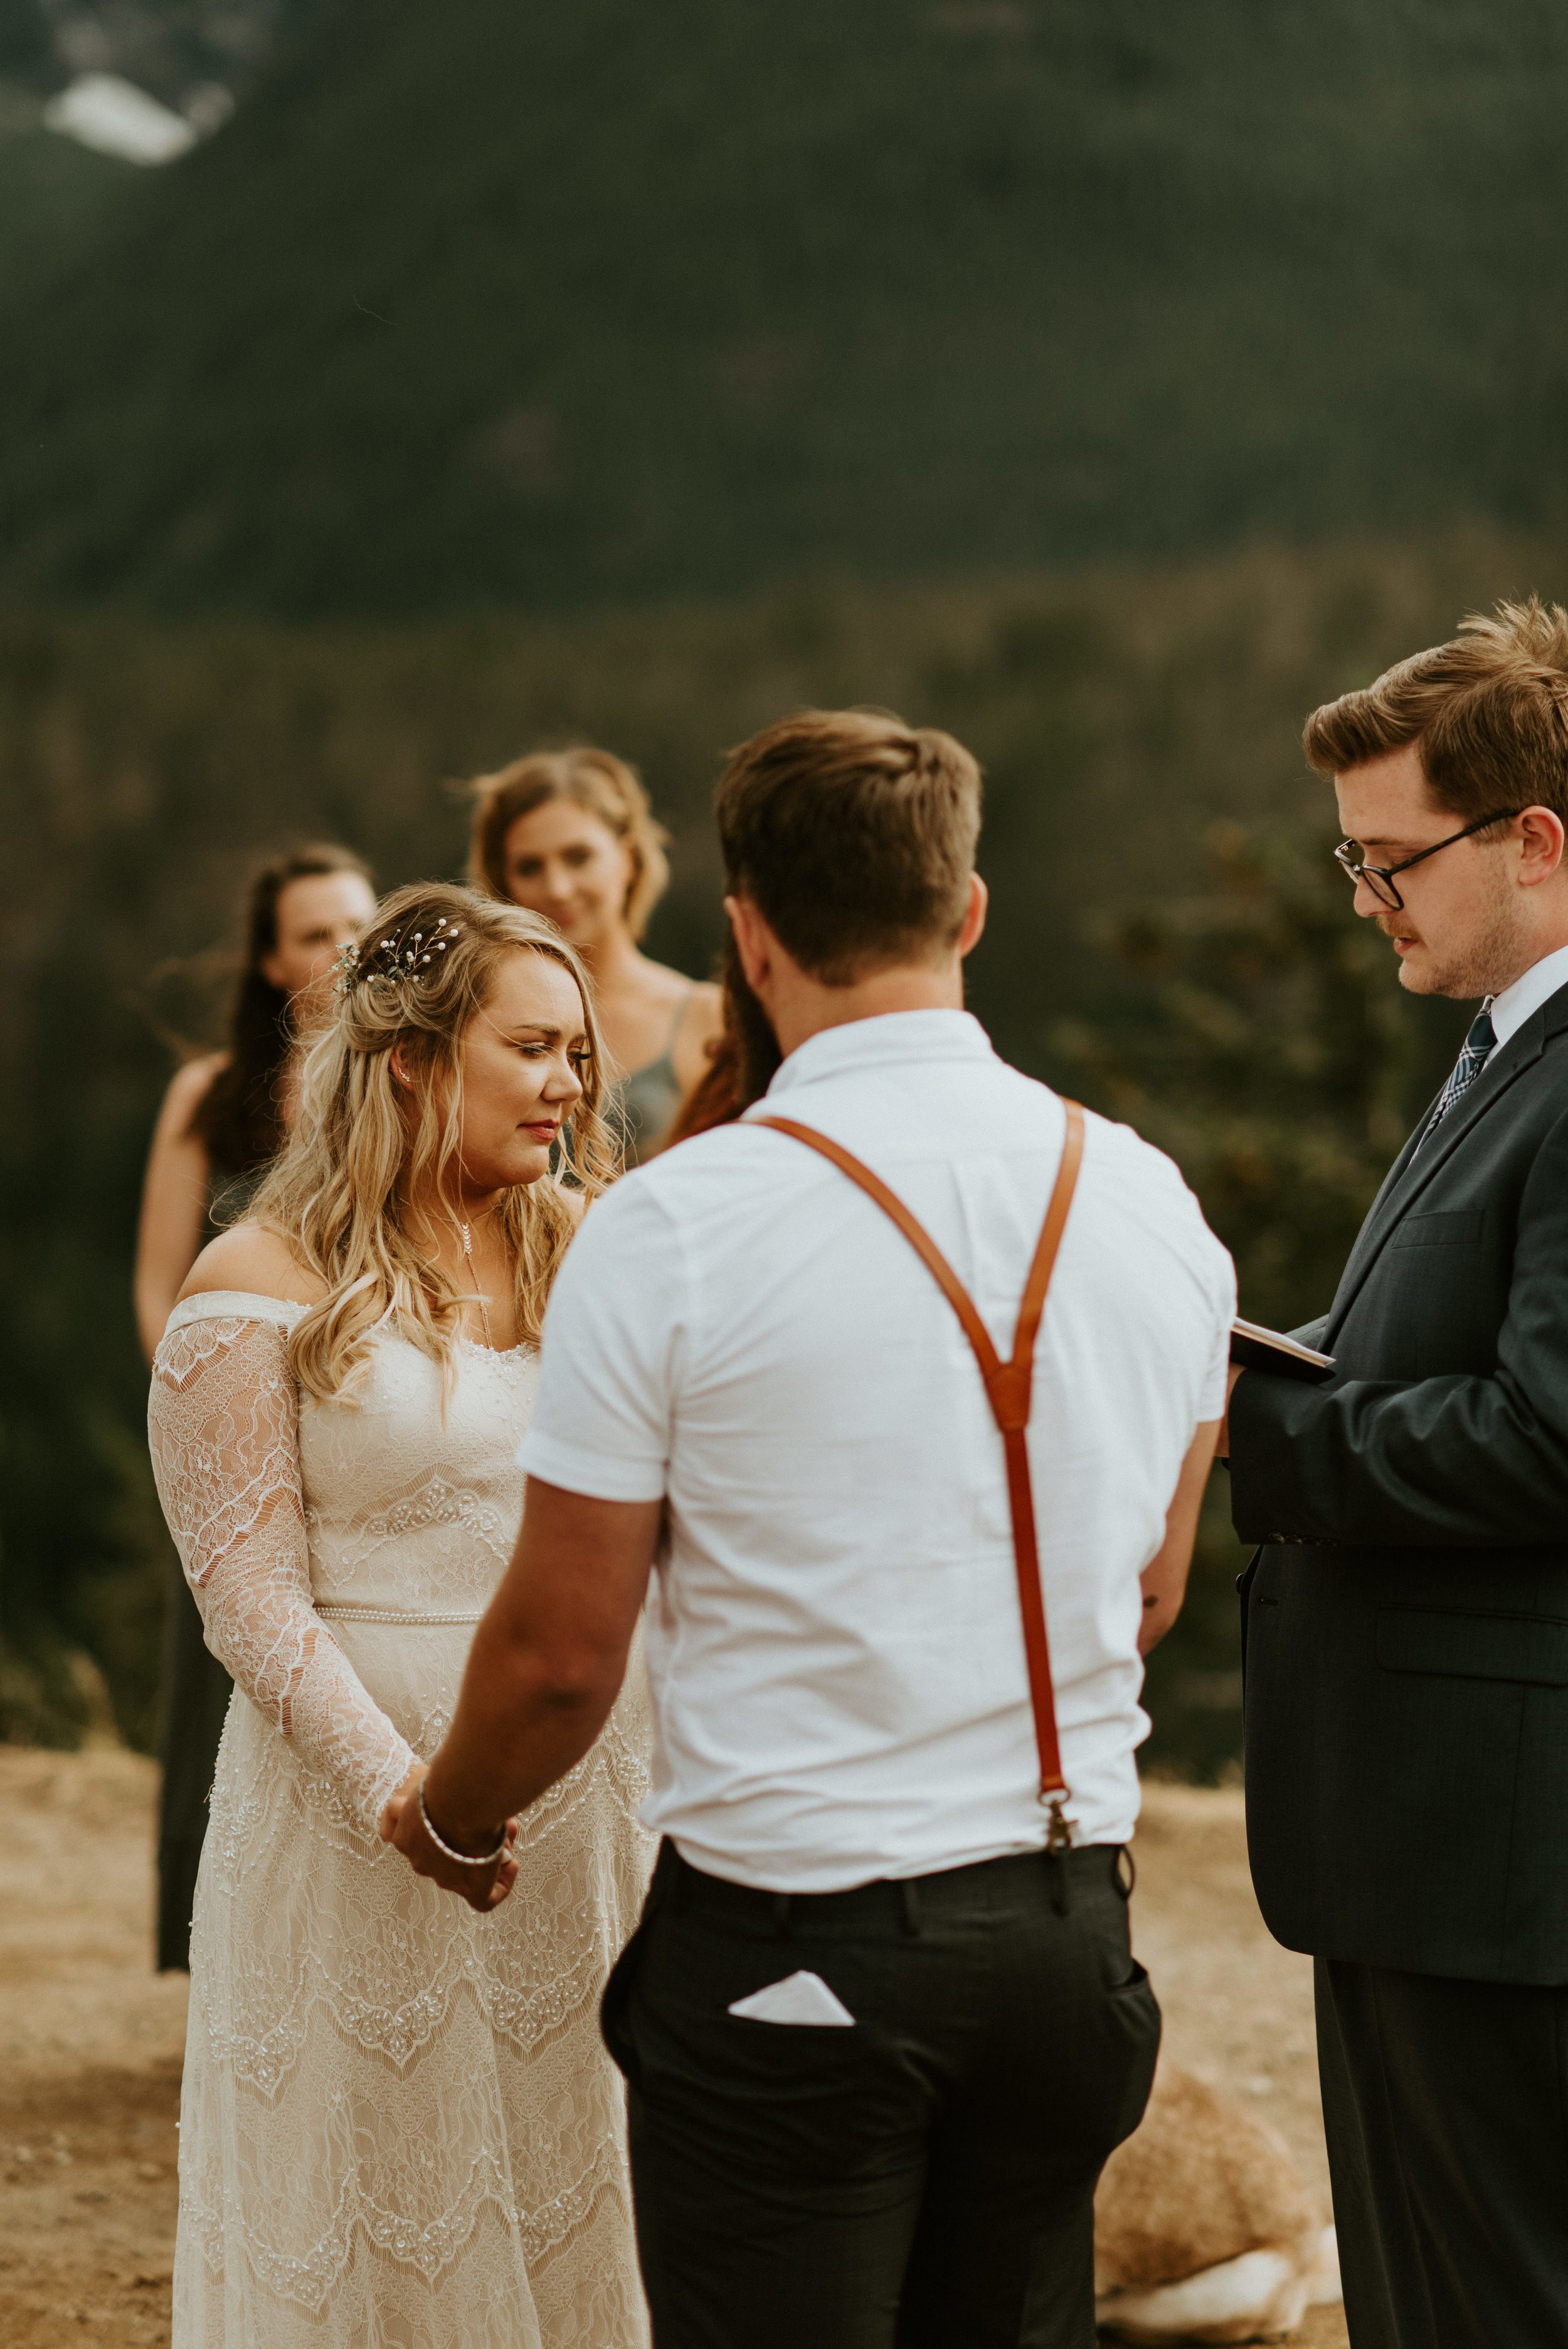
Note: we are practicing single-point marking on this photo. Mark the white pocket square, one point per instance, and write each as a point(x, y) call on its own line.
point(799, 1998)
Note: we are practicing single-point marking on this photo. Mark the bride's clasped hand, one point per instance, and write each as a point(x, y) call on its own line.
point(483, 1881)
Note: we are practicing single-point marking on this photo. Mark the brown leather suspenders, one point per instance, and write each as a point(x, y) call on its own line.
point(1008, 1387)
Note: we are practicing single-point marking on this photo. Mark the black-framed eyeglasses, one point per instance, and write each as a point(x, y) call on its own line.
point(1379, 878)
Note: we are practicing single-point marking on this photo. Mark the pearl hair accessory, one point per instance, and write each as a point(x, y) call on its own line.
point(397, 961)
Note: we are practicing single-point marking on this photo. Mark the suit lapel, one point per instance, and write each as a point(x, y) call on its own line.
point(1415, 1167)
point(1381, 1215)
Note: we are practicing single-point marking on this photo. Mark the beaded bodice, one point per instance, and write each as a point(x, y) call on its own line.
point(403, 1498)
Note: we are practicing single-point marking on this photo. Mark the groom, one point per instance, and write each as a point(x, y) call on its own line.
point(881, 2025)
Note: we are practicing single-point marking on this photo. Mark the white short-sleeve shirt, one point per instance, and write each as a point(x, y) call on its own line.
point(835, 1643)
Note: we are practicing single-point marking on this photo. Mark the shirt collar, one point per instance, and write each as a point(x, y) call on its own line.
point(1512, 1007)
point(891, 1039)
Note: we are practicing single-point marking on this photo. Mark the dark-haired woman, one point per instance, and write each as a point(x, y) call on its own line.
point(221, 1121)
point(569, 834)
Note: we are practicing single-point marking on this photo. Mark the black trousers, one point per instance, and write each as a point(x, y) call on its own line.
point(1446, 2108)
point(925, 2178)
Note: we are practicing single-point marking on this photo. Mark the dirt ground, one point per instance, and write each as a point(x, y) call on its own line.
point(90, 2040)
point(90, 2047)
point(1237, 2007)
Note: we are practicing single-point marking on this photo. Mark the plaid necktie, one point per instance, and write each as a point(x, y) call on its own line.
point(1476, 1049)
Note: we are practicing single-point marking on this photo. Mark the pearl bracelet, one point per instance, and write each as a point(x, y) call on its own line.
point(463, 1858)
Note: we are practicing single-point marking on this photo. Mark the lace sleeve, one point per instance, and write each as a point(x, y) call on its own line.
point(223, 1425)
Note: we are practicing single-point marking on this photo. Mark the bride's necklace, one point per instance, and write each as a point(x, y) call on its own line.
point(484, 1308)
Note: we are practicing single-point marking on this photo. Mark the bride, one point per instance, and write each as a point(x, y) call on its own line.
point(399, 2129)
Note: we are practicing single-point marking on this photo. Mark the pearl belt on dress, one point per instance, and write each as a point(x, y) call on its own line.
point(331, 1613)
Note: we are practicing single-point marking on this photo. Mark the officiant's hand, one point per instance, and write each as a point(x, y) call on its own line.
point(400, 1824)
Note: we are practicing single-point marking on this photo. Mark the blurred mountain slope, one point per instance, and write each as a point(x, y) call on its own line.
point(501, 302)
point(59, 198)
point(167, 47)
point(56, 199)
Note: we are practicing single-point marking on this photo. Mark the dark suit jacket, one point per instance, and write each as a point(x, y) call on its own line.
point(1406, 1622)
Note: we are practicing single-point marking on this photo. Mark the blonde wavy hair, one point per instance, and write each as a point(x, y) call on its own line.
point(341, 1192)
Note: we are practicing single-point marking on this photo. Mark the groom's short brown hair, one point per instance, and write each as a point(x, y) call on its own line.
point(853, 835)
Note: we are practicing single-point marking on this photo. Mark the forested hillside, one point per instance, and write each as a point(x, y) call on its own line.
point(505, 303)
point(1169, 937)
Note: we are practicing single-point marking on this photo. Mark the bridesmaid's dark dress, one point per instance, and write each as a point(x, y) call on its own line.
point(194, 1692)
point(642, 1105)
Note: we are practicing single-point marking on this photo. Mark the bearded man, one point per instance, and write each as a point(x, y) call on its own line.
point(1406, 1618)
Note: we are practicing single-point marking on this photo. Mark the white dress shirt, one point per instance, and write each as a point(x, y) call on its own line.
point(833, 1637)
point(1512, 1007)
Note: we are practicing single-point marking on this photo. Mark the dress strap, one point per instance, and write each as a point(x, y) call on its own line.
point(669, 1051)
point(234, 1305)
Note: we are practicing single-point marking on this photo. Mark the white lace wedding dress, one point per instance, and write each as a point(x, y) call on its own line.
point(400, 2128)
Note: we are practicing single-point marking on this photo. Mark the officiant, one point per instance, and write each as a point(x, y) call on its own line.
point(1406, 1617)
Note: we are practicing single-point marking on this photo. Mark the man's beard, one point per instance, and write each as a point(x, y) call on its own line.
point(1484, 965)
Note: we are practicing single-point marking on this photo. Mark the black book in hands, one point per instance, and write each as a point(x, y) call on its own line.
point(1254, 1347)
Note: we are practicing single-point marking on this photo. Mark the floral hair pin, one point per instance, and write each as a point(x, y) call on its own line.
point(402, 961)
